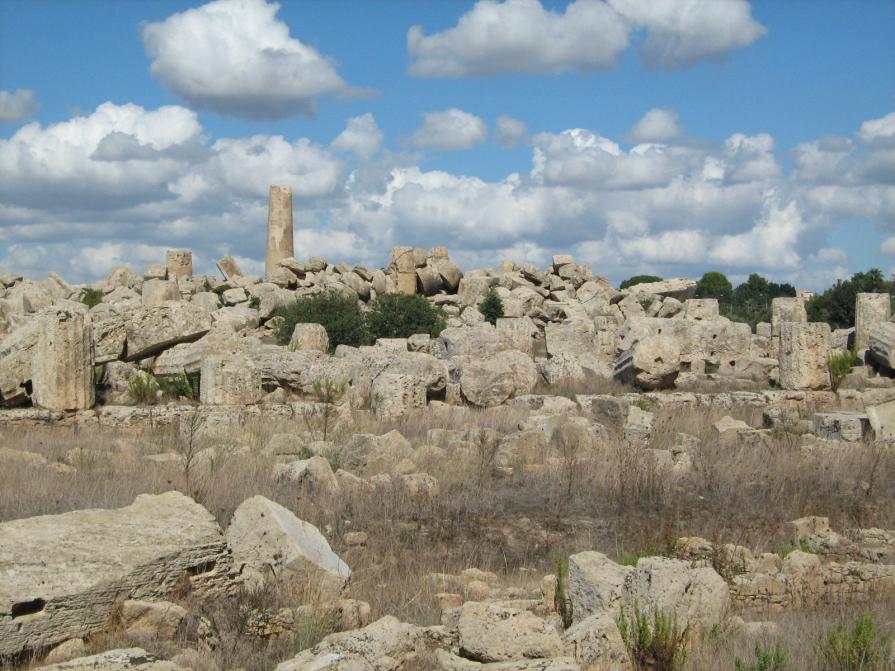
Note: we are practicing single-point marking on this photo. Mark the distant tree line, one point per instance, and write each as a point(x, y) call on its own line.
point(750, 302)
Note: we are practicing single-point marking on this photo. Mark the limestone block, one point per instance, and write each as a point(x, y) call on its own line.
point(62, 369)
point(652, 363)
point(870, 310)
point(179, 262)
point(473, 289)
point(572, 336)
point(130, 659)
point(279, 228)
point(231, 379)
point(16, 362)
point(786, 309)
point(151, 619)
point(407, 283)
point(156, 292)
point(235, 296)
point(151, 330)
point(700, 308)
point(449, 271)
point(517, 333)
point(309, 337)
point(429, 280)
point(681, 289)
point(155, 271)
point(489, 632)
point(595, 584)
point(229, 268)
point(804, 355)
point(396, 394)
point(597, 644)
point(147, 548)
point(268, 541)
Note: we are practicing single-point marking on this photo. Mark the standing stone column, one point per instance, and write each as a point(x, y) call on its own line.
point(870, 310)
point(279, 227)
point(404, 263)
point(804, 355)
point(62, 367)
point(179, 263)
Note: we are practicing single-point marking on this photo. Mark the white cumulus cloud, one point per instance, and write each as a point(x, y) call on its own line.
point(509, 131)
point(449, 130)
point(234, 57)
point(17, 106)
point(657, 125)
point(361, 135)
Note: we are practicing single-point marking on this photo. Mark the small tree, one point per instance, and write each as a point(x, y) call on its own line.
point(765, 660)
point(860, 648)
point(491, 307)
point(341, 316)
point(714, 285)
point(654, 643)
point(327, 393)
point(401, 316)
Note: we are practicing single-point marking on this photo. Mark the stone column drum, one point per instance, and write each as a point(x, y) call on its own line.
point(279, 227)
point(62, 368)
point(403, 262)
point(804, 355)
point(179, 262)
point(870, 310)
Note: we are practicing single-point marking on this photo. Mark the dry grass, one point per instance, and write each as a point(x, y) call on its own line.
point(513, 520)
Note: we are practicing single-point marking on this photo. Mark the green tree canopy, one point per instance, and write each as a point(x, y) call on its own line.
point(714, 285)
point(836, 305)
point(639, 279)
point(401, 316)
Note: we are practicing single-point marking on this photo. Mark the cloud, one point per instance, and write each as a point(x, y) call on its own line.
point(770, 243)
point(681, 33)
point(657, 125)
point(234, 57)
point(880, 130)
point(750, 158)
point(520, 36)
point(449, 130)
point(509, 131)
point(361, 136)
point(17, 106)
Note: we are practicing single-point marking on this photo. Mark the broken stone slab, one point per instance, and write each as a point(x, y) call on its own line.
point(129, 659)
point(229, 268)
point(680, 289)
point(16, 357)
point(151, 330)
point(269, 541)
point(491, 632)
point(651, 363)
point(881, 343)
point(57, 585)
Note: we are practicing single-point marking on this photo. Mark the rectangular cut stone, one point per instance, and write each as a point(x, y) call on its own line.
point(229, 268)
point(786, 309)
point(62, 369)
point(151, 330)
point(64, 574)
point(870, 310)
point(407, 283)
point(401, 258)
point(179, 262)
point(229, 380)
point(804, 355)
point(881, 342)
point(279, 227)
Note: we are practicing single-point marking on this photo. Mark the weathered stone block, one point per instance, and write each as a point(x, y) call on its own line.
point(179, 262)
point(62, 370)
point(804, 355)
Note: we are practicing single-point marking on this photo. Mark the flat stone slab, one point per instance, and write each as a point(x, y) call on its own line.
point(130, 659)
point(60, 575)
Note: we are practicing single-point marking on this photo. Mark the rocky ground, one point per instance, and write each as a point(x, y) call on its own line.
point(506, 496)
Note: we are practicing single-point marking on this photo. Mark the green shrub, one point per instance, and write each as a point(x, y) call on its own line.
point(401, 316)
point(220, 289)
point(654, 643)
point(179, 385)
point(491, 307)
point(639, 279)
point(254, 302)
point(861, 648)
point(840, 366)
point(143, 389)
point(340, 316)
point(765, 660)
point(92, 297)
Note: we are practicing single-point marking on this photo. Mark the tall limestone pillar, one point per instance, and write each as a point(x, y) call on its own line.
point(804, 355)
point(179, 263)
point(279, 227)
point(62, 368)
point(870, 310)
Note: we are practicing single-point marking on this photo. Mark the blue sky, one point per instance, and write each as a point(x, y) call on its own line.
point(770, 145)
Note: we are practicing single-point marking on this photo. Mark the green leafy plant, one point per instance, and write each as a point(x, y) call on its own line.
point(639, 279)
point(339, 315)
point(841, 364)
point(491, 307)
point(765, 660)
point(179, 385)
point(327, 393)
point(254, 302)
point(561, 602)
point(143, 388)
point(859, 648)
point(401, 316)
point(92, 297)
point(654, 643)
point(220, 289)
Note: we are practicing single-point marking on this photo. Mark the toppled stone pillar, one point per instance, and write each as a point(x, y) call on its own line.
point(179, 262)
point(229, 380)
point(279, 227)
point(804, 355)
point(62, 367)
point(229, 268)
point(870, 310)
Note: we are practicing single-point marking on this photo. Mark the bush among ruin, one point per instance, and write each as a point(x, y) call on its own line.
point(491, 307)
point(841, 364)
point(859, 648)
point(401, 316)
point(654, 642)
point(773, 659)
point(92, 297)
point(340, 315)
point(639, 279)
